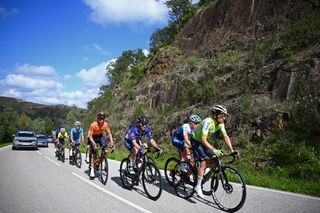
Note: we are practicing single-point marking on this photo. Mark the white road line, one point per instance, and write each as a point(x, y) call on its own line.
point(284, 192)
point(112, 194)
point(39, 153)
point(52, 161)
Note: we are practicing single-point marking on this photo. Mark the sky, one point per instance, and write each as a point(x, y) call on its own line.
point(56, 51)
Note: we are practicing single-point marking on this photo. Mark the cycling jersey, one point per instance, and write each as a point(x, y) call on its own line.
point(135, 133)
point(97, 129)
point(76, 134)
point(62, 137)
point(208, 127)
point(178, 136)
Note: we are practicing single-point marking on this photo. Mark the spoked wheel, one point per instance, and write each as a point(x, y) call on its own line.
point(206, 182)
point(184, 181)
point(169, 167)
point(151, 181)
point(78, 158)
point(103, 171)
point(229, 189)
point(125, 176)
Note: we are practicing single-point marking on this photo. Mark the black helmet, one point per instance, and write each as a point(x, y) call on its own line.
point(219, 109)
point(142, 120)
point(101, 116)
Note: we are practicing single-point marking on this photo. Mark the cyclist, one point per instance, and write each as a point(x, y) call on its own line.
point(133, 142)
point(180, 137)
point(199, 140)
point(97, 128)
point(62, 137)
point(76, 136)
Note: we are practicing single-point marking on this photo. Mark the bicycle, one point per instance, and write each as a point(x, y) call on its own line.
point(101, 166)
point(76, 158)
point(226, 187)
point(146, 167)
point(60, 153)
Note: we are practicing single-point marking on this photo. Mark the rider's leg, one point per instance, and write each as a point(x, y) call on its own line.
point(92, 175)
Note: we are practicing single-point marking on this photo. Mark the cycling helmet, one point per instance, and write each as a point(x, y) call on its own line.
point(142, 120)
point(194, 118)
point(101, 116)
point(77, 123)
point(219, 109)
point(62, 130)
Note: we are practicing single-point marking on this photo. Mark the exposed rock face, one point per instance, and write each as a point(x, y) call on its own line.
point(229, 24)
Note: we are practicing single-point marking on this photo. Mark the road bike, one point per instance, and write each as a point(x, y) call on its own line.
point(60, 152)
point(76, 158)
point(224, 183)
point(147, 170)
point(101, 166)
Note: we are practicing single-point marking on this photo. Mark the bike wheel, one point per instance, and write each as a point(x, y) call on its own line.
point(169, 169)
point(78, 158)
point(206, 183)
point(229, 189)
point(103, 170)
point(151, 181)
point(62, 155)
point(126, 178)
point(185, 181)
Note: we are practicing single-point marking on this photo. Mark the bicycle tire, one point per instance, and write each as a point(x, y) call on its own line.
point(126, 178)
point(78, 158)
point(103, 170)
point(169, 169)
point(151, 176)
point(185, 181)
point(227, 184)
point(63, 155)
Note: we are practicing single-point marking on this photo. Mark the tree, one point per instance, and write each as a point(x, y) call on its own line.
point(75, 114)
point(48, 125)
point(124, 63)
point(38, 125)
point(178, 8)
point(24, 121)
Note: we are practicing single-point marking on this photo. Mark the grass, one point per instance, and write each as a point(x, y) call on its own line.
point(5, 144)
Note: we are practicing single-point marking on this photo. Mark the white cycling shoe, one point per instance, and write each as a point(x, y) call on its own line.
point(92, 173)
point(198, 190)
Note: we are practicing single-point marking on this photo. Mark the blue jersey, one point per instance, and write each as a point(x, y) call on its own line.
point(135, 134)
point(184, 129)
point(76, 134)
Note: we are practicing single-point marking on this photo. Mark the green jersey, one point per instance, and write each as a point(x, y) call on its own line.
point(208, 127)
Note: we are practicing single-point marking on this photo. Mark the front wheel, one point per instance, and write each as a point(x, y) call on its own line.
point(151, 181)
point(125, 176)
point(229, 189)
point(185, 179)
point(104, 170)
point(169, 167)
point(78, 158)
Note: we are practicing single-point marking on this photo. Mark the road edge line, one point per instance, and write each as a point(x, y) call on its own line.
point(52, 161)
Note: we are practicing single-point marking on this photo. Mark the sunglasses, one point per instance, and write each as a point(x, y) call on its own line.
point(221, 116)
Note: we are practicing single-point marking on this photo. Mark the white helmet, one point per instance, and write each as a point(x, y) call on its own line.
point(77, 123)
point(62, 130)
point(219, 109)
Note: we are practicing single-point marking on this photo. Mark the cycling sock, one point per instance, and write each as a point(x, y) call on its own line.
point(199, 182)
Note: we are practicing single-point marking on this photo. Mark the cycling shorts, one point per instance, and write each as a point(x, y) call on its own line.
point(200, 150)
point(99, 139)
point(128, 144)
point(62, 141)
point(180, 144)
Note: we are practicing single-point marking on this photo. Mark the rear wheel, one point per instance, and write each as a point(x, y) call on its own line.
point(151, 181)
point(229, 189)
point(125, 176)
point(169, 167)
point(184, 182)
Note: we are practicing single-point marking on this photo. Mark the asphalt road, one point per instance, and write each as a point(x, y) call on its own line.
point(34, 181)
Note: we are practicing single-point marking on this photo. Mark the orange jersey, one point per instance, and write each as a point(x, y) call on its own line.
point(97, 129)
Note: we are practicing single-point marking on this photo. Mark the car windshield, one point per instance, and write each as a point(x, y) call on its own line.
point(41, 137)
point(25, 134)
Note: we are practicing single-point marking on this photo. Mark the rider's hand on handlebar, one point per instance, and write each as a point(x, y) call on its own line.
point(234, 153)
point(217, 152)
point(159, 150)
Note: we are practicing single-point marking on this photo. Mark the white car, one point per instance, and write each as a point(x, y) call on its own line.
point(25, 139)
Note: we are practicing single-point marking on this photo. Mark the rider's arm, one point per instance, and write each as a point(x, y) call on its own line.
point(71, 136)
point(90, 135)
point(226, 138)
point(186, 136)
point(110, 136)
